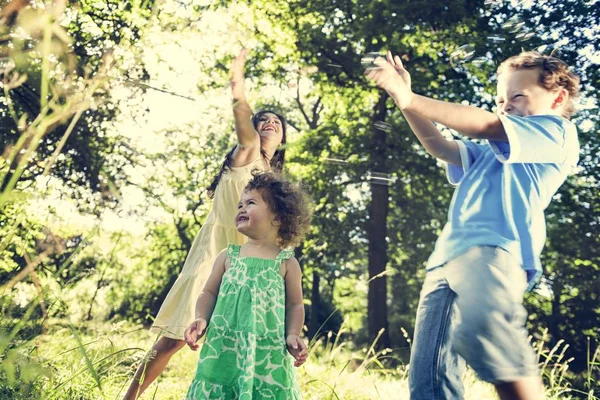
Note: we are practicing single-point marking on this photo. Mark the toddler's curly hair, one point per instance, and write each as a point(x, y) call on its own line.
point(554, 73)
point(288, 202)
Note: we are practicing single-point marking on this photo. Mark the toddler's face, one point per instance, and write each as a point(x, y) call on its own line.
point(520, 93)
point(254, 217)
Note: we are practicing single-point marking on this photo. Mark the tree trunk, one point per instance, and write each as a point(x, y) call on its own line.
point(556, 314)
point(377, 233)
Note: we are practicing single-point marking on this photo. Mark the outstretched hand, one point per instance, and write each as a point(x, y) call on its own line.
point(237, 67)
point(389, 74)
point(297, 348)
point(194, 332)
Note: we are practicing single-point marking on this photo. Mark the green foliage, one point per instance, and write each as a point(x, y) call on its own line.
point(337, 142)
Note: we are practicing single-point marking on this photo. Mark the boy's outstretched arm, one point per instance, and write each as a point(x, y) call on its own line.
point(468, 120)
point(427, 133)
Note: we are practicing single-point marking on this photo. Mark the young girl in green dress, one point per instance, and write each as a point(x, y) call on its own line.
point(251, 307)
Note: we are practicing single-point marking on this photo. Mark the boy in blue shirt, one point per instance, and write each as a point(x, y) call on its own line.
point(488, 254)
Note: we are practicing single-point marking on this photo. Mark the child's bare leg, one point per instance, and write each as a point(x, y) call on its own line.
point(523, 389)
point(162, 351)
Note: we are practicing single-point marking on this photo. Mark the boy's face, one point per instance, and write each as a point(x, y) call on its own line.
point(520, 93)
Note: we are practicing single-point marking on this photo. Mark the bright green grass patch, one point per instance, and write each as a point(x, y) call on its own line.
point(98, 361)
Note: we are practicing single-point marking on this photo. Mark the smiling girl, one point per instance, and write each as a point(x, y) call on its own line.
point(251, 307)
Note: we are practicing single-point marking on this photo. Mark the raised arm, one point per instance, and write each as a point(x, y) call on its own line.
point(432, 140)
point(205, 304)
point(427, 133)
point(468, 120)
point(248, 148)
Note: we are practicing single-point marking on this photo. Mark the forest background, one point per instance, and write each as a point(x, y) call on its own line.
point(114, 117)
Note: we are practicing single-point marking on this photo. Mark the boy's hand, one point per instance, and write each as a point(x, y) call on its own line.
point(297, 348)
point(194, 332)
point(390, 75)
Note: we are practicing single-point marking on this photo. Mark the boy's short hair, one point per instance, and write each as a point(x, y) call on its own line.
point(288, 202)
point(554, 74)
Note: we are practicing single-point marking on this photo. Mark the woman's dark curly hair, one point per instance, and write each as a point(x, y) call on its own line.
point(276, 162)
point(288, 202)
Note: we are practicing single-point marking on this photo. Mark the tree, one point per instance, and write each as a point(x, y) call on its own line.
point(81, 47)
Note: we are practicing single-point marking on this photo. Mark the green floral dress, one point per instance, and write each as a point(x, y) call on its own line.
point(244, 355)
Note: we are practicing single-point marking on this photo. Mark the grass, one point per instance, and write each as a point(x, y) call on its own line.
point(98, 360)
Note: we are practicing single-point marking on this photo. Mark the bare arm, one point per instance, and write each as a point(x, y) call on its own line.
point(248, 148)
point(294, 314)
point(427, 133)
point(468, 120)
point(432, 140)
point(205, 304)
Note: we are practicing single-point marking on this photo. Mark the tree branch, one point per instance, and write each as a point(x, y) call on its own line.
point(317, 107)
point(299, 102)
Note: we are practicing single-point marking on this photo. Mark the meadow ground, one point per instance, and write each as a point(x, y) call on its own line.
point(98, 361)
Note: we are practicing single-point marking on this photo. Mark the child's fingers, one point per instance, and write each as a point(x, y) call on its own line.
point(192, 345)
point(190, 336)
point(299, 362)
point(302, 346)
point(187, 335)
point(380, 61)
point(303, 352)
point(382, 74)
point(241, 57)
point(237, 66)
point(398, 61)
point(301, 358)
point(389, 58)
point(291, 342)
point(374, 74)
point(369, 73)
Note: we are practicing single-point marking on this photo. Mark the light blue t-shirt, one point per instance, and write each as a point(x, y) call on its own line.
point(503, 189)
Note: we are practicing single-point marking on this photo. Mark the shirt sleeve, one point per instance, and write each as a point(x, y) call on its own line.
point(468, 153)
point(536, 139)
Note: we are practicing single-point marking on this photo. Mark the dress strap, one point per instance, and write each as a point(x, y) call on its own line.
point(284, 255)
point(233, 251)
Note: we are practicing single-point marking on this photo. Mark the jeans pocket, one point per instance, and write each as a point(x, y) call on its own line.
point(433, 280)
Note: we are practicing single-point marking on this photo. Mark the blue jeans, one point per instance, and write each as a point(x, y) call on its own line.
point(470, 312)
